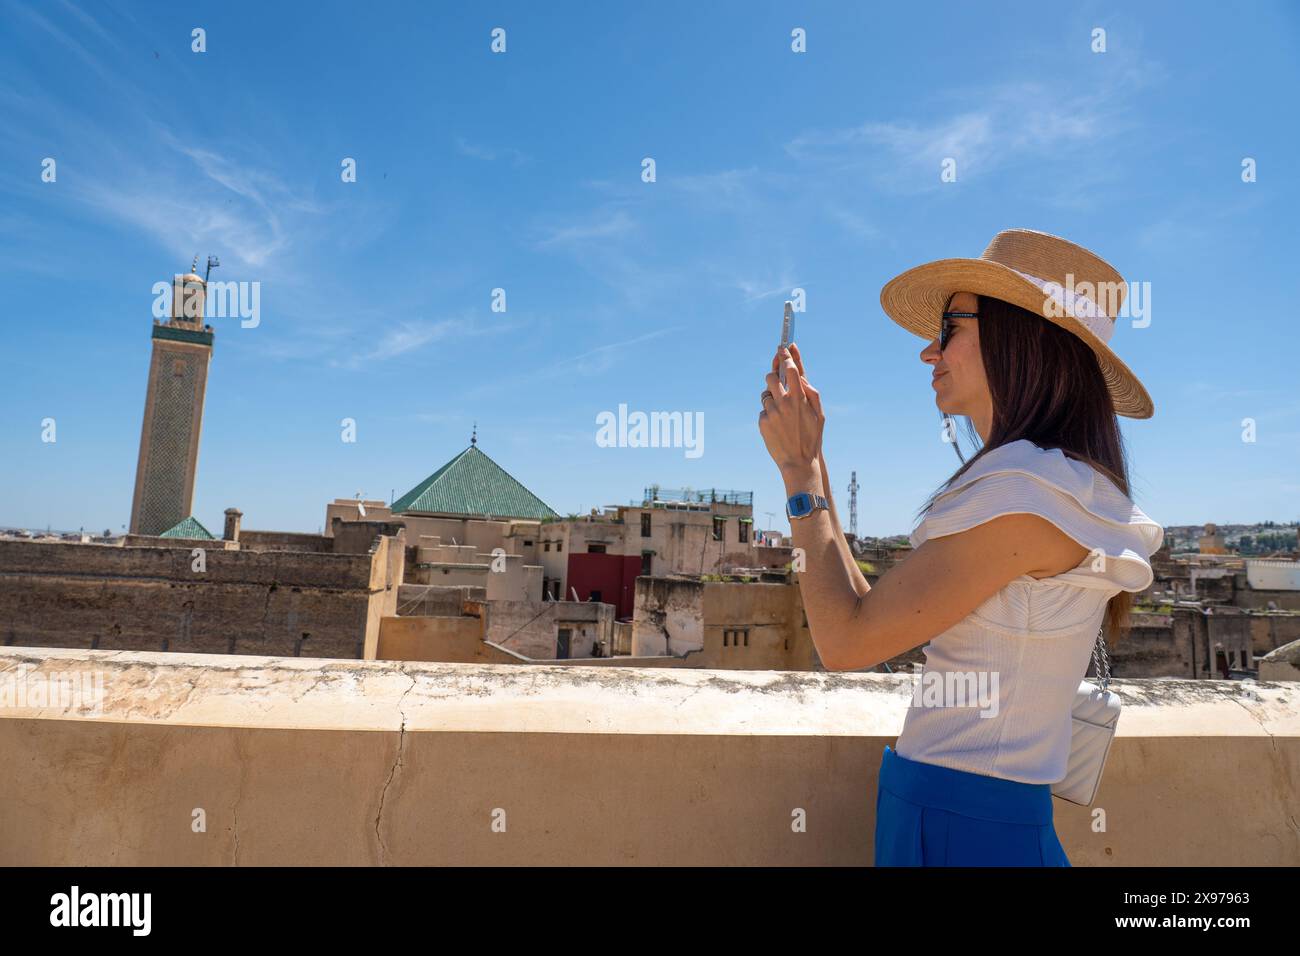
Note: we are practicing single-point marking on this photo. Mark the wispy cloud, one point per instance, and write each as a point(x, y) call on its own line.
point(142, 173)
point(407, 337)
point(602, 357)
point(907, 156)
point(604, 224)
point(491, 154)
point(592, 362)
point(731, 190)
point(754, 290)
point(633, 240)
point(852, 223)
point(183, 222)
point(988, 129)
point(67, 40)
point(404, 337)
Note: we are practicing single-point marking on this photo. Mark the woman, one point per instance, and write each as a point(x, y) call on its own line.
point(1017, 560)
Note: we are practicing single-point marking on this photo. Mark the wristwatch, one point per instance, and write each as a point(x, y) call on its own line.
point(803, 504)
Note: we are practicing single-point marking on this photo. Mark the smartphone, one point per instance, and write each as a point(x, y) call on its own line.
point(787, 334)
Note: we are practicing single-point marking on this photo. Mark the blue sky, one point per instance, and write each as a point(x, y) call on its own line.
point(522, 171)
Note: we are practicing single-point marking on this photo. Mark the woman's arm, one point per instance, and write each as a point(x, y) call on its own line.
point(859, 579)
point(827, 581)
point(936, 586)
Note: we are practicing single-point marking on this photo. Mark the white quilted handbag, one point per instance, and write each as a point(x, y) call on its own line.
point(1095, 714)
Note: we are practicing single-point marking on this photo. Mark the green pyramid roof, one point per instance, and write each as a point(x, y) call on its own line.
point(473, 484)
point(189, 528)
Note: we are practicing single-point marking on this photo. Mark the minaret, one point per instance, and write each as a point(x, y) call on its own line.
point(173, 410)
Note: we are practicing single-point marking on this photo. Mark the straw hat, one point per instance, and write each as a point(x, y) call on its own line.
point(1047, 275)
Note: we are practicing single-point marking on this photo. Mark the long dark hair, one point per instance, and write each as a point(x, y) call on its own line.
point(1047, 387)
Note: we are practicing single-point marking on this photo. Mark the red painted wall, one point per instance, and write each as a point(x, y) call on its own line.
point(613, 575)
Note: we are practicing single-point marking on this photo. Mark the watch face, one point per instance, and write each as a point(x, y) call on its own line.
point(800, 504)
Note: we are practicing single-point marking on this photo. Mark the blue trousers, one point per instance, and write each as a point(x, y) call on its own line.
point(928, 815)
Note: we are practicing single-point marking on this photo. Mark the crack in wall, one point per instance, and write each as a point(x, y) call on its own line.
point(392, 772)
point(1254, 716)
point(1284, 784)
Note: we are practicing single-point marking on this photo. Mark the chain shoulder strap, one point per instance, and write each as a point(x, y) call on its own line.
point(1101, 660)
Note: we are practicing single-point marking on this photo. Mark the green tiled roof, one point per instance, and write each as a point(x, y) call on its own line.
point(473, 484)
point(189, 528)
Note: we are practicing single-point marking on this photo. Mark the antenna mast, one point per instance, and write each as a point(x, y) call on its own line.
point(853, 504)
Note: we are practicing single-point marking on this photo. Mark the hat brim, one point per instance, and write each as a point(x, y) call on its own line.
point(915, 299)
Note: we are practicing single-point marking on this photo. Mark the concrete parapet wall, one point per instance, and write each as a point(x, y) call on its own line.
point(368, 762)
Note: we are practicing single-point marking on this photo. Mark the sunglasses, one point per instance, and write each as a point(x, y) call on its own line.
point(946, 325)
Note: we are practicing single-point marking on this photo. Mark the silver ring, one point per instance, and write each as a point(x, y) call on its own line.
point(767, 393)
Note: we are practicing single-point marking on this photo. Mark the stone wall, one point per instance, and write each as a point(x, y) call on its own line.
point(532, 628)
point(1273, 629)
point(359, 537)
point(447, 639)
point(285, 541)
point(1282, 600)
point(668, 618)
point(756, 626)
point(723, 624)
point(241, 602)
point(427, 600)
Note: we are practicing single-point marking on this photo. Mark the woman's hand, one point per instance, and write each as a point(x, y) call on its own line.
point(821, 458)
point(791, 421)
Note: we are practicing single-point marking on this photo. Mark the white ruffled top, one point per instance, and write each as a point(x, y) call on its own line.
point(1032, 641)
